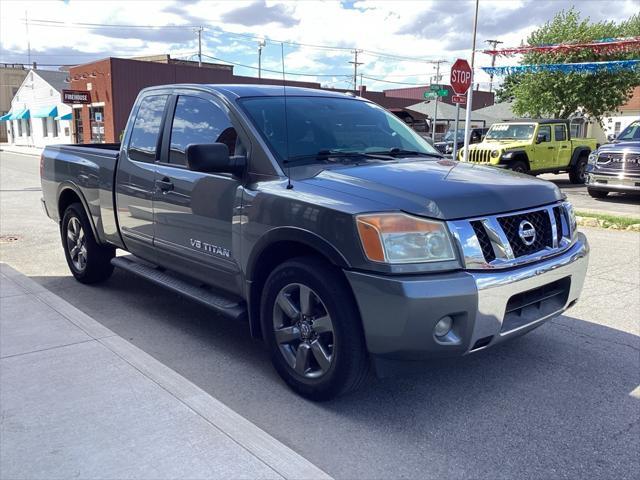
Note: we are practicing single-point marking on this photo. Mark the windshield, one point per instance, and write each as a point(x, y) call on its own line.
point(632, 132)
point(511, 131)
point(449, 136)
point(336, 125)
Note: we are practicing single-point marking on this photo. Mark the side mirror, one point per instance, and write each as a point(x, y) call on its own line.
point(611, 137)
point(540, 138)
point(213, 158)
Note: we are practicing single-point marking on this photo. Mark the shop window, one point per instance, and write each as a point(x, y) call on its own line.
point(27, 127)
point(56, 127)
point(96, 124)
point(45, 130)
point(78, 128)
point(199, 121)
point(616, 128)
point(18, 123)
point(143, 144)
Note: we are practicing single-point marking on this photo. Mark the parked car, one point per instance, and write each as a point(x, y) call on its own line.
point(534, 147)
point(476, 135)
point(615, 166)
point(342, 237)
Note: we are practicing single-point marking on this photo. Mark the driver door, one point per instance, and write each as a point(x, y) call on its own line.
point(194, 211)
point(544, 155)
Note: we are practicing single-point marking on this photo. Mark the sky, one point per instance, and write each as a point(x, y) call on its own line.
point(400, 39)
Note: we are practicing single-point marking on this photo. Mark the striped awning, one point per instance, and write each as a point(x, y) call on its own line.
point(6, 117)
point(64, 117)
point(42, 112)
point(21, 115)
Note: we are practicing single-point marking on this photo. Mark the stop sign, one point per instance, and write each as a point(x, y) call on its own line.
point(460, 76)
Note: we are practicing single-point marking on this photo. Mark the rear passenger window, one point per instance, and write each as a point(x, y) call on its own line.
point(146, 129)
point(199, 121)
point(560, 132)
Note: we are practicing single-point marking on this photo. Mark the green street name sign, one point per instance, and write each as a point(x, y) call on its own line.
point(432, 94)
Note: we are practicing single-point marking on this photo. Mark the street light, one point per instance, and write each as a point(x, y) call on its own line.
point(261, 44)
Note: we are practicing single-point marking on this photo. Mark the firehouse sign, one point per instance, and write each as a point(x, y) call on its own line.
point(76, 96)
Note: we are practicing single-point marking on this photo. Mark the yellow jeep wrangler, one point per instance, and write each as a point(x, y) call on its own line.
point(534, 146)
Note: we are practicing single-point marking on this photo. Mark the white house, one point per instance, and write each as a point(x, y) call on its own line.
point(37, 116)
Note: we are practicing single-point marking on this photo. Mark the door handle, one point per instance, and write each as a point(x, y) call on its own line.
point(550, 148)
point(564, 146)
point(165, 184)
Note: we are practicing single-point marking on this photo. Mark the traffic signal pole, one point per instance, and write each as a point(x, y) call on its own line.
point(467, 116)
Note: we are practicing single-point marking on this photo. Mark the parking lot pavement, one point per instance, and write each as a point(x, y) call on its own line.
point(623, 204)
point(79, 401)
point(560, 402)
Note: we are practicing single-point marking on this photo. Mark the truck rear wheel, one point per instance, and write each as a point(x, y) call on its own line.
point(312, 328)
point(577, 173)
point(88, 261)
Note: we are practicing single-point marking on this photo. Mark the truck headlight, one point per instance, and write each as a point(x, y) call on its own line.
point(593, 158)
point(448, 149)
point(402, 238)
point(495, 153)
point(507, 155)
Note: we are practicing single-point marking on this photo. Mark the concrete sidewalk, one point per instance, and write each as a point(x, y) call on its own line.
point(78, 401)
point(21, 149)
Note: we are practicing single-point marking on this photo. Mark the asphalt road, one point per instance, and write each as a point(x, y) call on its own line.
point(561, 402)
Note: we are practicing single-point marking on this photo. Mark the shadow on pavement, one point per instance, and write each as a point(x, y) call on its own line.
point(562, 401)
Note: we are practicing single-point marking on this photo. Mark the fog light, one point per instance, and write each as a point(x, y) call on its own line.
point(443, 326)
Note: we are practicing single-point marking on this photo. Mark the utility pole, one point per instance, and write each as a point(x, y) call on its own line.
point(494, 44)
point(355, 69)
point(199, 31)
point(435, 113)
point(261, 44)
point(26, 26)
point(467, 115)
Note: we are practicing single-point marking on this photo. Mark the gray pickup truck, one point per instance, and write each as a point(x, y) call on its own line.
point(341, 236)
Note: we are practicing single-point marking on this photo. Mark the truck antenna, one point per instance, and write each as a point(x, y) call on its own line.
point(286, 125)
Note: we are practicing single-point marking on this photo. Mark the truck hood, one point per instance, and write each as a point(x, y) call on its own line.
point(444, 189)
point(501, 145)
point(616, 146)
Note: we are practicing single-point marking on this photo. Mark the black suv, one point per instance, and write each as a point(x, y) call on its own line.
point(446, 145)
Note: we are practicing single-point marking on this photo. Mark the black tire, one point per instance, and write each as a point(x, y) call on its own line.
point(519, 166)
point(597, 193)
point(577, 173)
point(96, 266)
point(349, 365)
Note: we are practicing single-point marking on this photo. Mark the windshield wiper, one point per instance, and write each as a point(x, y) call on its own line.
point(325, 155)
point(399, 151)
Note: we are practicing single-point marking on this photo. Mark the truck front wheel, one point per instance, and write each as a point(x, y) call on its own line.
point(596, 193)
point(88, 261)
point(312, 328)
point(519, 166)
point(577, 173)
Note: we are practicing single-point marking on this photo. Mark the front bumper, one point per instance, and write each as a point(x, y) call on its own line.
point(399, 313)
point(613, 183)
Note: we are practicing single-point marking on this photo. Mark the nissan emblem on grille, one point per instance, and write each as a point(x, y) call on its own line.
point(527, 232)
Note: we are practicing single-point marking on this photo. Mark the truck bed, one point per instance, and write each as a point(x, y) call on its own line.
point(87, 170)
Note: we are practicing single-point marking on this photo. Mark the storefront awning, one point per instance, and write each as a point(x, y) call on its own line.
point(5, 118)
point(64, 117)
point(21, 115)
point(42, 112)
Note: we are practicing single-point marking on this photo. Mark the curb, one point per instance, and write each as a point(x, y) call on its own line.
point(276, 455)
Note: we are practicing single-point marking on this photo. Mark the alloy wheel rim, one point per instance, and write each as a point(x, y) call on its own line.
point(77, 244)
point(303, 330)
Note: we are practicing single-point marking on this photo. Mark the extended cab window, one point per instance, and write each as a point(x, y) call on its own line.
point(146, 129)
point(544, 132)
point(197, 120)
point(560, 132)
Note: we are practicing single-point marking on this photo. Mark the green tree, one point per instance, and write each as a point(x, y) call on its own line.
point(559, 94)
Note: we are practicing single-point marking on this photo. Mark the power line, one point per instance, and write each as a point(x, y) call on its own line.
point(60, 24)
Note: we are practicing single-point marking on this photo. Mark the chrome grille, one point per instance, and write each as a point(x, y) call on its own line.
point(495, 241)
point(542, 224)
point(619, 161)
